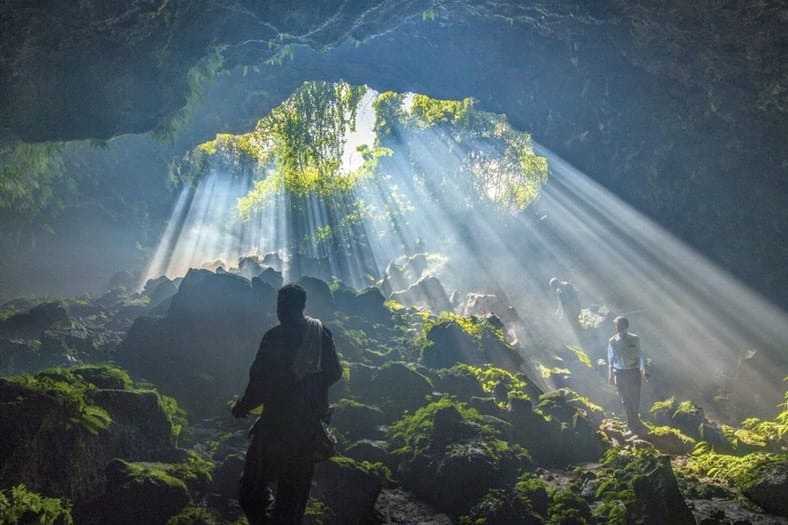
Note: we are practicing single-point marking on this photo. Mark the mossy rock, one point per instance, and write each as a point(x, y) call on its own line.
point(59, 431)
point(638, 486)
point(400, 388)
point(354, 420)
point(768, 487)
point(450, 455)
point(349, 488)
point(137, 493)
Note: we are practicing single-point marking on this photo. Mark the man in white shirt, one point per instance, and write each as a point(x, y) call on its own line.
point(626, 369)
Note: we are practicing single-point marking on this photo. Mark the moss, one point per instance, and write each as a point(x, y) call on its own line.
point(615, 488)
point(377, 469)
point(666, 404)
point(662, 431)
point(502, 384)
point(567, 396)
point(155, 472)
point(195, 472)
point(567, 507)
point(104, 376)
point(734, 471)
point(20, 506)
point(192, 515)
point(71, 394)
point(412, 434)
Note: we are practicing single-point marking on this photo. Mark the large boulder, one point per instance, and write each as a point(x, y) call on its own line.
point(141, 494)
point(60, 429)
point(555, 431)
point(399, 388)
point(30, 325)
point(769, 488)
point(427, 292)
point(449, 458)
point(200, 352)
point(448, 344)
point(319, 299)
point(657, 496)
point(367, 304)
point(349, 489)
point(354, 421)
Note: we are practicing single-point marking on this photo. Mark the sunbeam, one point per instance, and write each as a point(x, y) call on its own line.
point(459, 203)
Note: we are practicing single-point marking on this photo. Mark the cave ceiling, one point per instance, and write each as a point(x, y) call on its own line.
point(678, 107)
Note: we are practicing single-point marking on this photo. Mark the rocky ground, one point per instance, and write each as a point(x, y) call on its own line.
point(436, 419)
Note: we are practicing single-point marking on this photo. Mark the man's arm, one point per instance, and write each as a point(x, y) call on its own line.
point(332, 368)
point(611, 378)
point(643, 371)
point(259, 380)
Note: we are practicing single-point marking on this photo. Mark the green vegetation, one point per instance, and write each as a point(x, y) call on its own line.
point(490, 161)
point(150, 471)
point(735, 471)
point(71, 388)
point(192, 515)
point(500, 383)
point(473, 326)
point(71, 394)
point(18, 506)
point(412, 434)
point(295, 156)
point(622, 467)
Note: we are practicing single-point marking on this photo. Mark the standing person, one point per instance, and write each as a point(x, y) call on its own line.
point(568, 301)
point(626, 368)
point(296, 363)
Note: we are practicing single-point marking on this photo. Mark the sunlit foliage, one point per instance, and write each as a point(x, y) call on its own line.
point(296, 153)
point(487, 159)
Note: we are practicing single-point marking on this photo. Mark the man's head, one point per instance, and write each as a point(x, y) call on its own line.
point(290, 302)
point(622, 324)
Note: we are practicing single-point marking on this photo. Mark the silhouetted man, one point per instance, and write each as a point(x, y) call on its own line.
point(290, 376)
point(626, 367)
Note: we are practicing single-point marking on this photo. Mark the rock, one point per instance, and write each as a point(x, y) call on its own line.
point(450, 344)
point(159, 290)
point(368, 304)
point(769, 488)
point(139, 424)
point(348, 489)
point(59, 432)
point(138, 494)
point(360, 382)
point(227, 475)
point(32, 324)
point(688, 417)
point(458, 382)
point(480, 304)
point(319, 300)
point(18, 357)
point(200, 352)
point(400, 388)
point(272, 277)
point(394, 280)
point(657, 496)
point(428, 292)
point(250, 267)
point(356, 421)
point(556, 433)
point(371, 451)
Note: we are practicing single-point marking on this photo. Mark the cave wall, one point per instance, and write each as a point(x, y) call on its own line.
point(676, 107)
